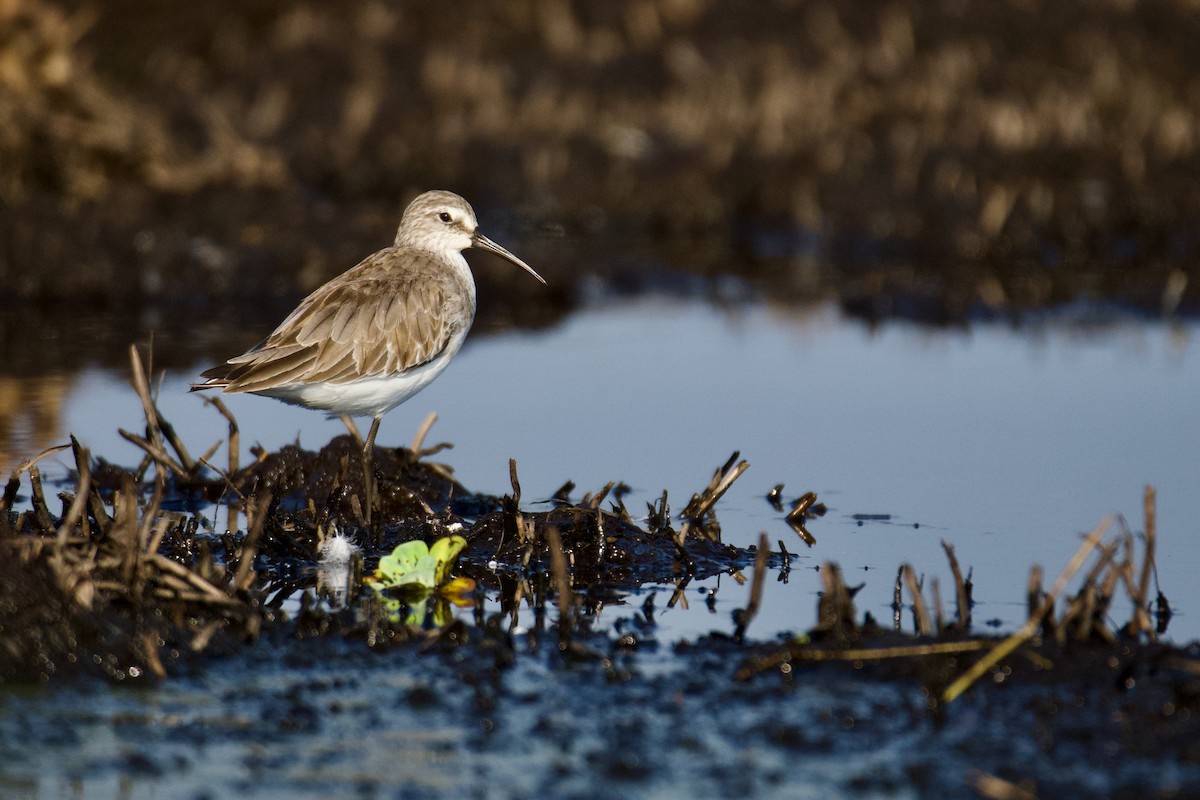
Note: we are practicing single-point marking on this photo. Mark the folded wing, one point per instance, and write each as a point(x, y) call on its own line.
point(374, 323)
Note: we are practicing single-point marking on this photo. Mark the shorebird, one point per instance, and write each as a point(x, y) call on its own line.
point(380, 332)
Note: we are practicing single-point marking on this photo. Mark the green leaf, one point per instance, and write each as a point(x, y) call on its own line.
point(445, 551)
point(393, 568)
point(414, 564)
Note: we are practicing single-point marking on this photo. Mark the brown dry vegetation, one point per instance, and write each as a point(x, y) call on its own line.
point(159, 148)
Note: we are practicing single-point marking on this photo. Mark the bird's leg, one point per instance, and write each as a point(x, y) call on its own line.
point(368, 454)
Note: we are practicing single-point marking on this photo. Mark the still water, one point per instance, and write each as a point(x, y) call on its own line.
point(1007, 441)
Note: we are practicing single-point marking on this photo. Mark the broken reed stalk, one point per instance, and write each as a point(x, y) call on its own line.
point(963, 611)
point(423, 431)
point(1141, 613)
point(920, 612)
point(797, 517)
point(28, 465)
point(1033, 597)
point(225, 476)
point(562, 582)
point(939, 619)
point(245, 571)
point(798, 652)
point(157, 454)
point(897, 599)
point(418, 449)
point(234, 437)
point(883, 653)
point(514, 481)
point(157, 426)
point(149, 514)
point(82, 465)
point(744, 616)
point(835, 607)
point(1088, 603)
point(137, 377)
point(593, 501)
point(1027, 631)
point(78, 508)
point(700, 504)
point(722, 480)
point(209, 591)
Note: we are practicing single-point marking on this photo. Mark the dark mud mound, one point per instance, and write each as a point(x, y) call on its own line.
point(140, 577)
point(328, 485)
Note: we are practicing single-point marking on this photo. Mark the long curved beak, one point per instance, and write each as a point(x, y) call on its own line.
point(484, 243)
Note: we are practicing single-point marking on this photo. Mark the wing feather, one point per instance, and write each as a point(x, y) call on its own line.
point(373, 321)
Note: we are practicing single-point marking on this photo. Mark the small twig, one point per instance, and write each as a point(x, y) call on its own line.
point(137, 377)
point(234, 443)
point(939, 619)
point(835, 608)
point(14, 483)
point(796, 652)
point(157, 454)
point(78, 502)
point(1141, 604)
point(963, 611)
point(82, 464)
point(171, 567)
point(156, 424)
point(1033, 592)
point(29, 463)
point(38, 500)
point(701, 504)
point(245, 570)
point(515, 481)
point(225, 477)
point(208, 454)
point(594, 501)
point(742, 617)
point(562, 581)
point(176, 443)
point(721, 480)
point(897, 599)
point(798, 516)
point(419, 439)
point(186, 596)
point(924, 626)
point(150, 512)
point(679, 594)
point(161, 526)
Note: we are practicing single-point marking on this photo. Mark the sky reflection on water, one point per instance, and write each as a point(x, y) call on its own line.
point(1007, 443)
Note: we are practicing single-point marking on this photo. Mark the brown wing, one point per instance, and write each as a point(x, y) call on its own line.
point(370, 321)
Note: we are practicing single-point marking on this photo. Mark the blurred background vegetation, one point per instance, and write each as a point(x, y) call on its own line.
point(941, 156)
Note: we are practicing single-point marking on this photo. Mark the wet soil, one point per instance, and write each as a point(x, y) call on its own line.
point(483, 712)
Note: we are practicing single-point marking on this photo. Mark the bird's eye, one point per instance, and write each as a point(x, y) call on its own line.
point(444, 216)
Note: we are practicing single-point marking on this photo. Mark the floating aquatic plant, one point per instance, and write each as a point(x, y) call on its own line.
point(415, 570)
point(415, 573)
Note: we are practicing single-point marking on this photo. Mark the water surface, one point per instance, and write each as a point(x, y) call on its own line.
point(1007, 441)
